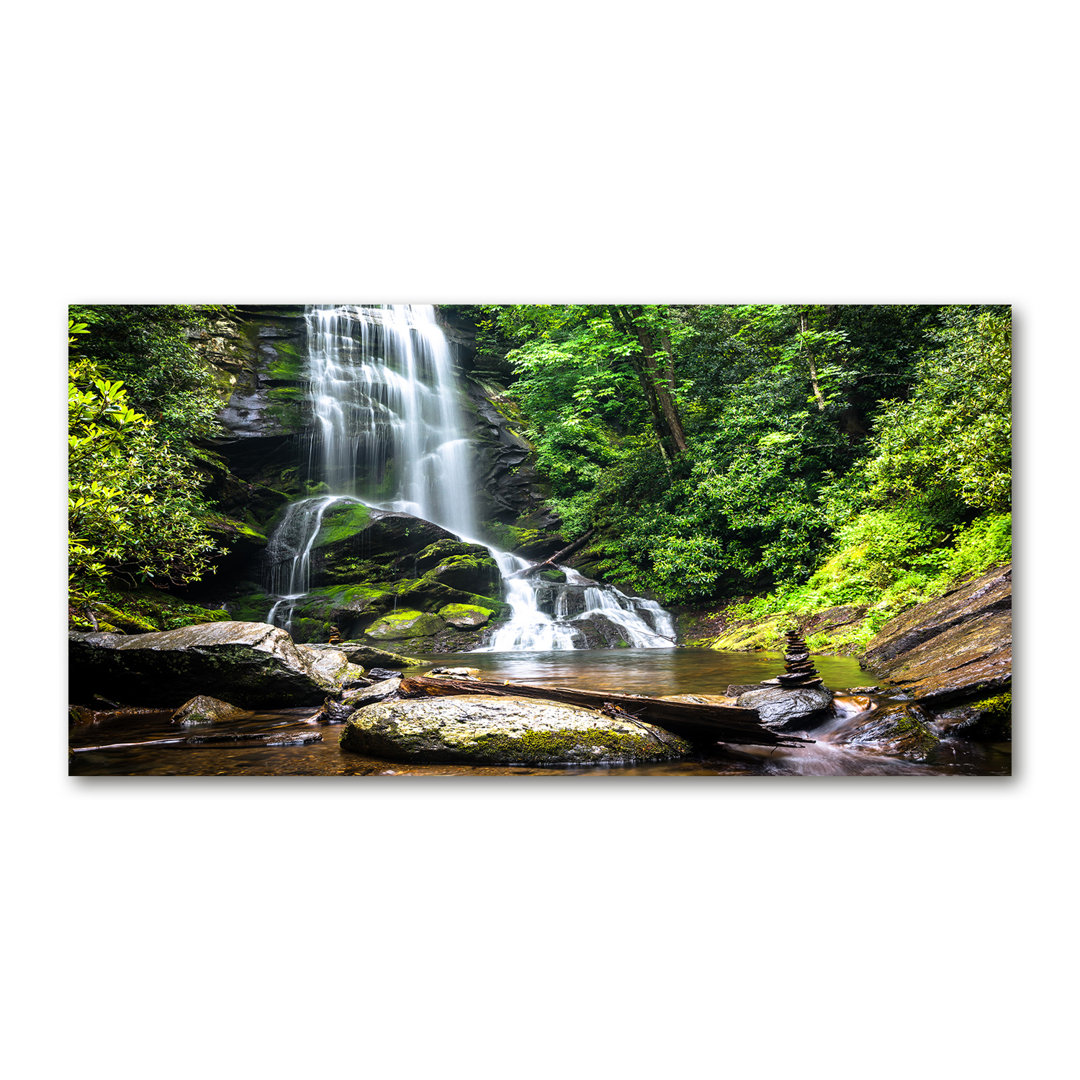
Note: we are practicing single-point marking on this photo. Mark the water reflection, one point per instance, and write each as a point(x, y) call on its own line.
point(289, 742)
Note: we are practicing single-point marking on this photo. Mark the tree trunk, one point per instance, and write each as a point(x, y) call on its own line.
point(699, 723)
point(657, 380)
point(804, 326)
point(549, 563)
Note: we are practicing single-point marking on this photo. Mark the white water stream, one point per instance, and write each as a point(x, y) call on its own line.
point(388, 433)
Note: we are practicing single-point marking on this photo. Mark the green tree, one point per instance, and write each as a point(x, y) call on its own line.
point(134, 504)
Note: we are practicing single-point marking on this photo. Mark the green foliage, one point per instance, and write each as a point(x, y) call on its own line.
point(955, 433)
point(134, 504)
point(835, 455)
point(148, 348)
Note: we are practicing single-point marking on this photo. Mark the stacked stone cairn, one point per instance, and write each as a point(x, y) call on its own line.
point(799, 670)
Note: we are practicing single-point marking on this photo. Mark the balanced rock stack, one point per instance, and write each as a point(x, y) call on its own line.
point(799, 669)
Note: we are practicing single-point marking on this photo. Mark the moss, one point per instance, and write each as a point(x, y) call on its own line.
point(999, 706)
point(342, 521)
point(405, 624)
point(758, 634)
point(142, 611)
point(556, 746)
point(465, 615)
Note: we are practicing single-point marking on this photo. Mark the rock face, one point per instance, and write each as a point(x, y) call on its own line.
point(487, 730)
point(248, 663)
point(956, 649)
point(784, 709)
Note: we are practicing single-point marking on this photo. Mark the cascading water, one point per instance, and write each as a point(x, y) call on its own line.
point(387, 433)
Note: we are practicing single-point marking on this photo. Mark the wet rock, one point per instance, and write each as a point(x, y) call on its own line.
point(456, 672)
point(989, 719)
point(249, 663)
point(735, 689)
point(379, 674)
point(789, 709)
point(486, 730)
point(204, 710)
point(951, 650)
point(330, 664)
point(896, 729)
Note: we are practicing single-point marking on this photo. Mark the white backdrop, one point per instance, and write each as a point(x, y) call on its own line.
point(484, 152)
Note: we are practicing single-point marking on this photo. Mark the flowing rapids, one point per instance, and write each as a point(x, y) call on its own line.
point(387, 432)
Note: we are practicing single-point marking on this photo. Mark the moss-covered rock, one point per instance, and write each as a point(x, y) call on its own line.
point(342, 521)
point(465, 616)
point(435, 554)
point(399, 625)
point(488, 730)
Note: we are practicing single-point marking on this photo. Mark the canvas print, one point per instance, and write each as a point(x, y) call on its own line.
point(530, 539)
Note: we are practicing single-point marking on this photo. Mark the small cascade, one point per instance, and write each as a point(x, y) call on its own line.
point(387, 432)
point(576, 614)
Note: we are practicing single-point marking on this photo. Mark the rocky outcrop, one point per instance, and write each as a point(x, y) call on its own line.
point(248, 663)
point(485, 730)
point(953, 650)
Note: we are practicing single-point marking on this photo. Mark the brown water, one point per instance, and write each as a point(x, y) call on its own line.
point(289, 742)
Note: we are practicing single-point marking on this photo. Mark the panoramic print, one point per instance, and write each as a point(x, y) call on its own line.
point(539, 539)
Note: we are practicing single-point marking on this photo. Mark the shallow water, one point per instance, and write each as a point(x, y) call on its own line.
point(148, 745)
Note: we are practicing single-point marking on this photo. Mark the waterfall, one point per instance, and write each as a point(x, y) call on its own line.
point(387, 432)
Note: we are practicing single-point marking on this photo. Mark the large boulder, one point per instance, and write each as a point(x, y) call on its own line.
point(245, 663)
point(956, 648)
point(488, 730)
point(783, 709)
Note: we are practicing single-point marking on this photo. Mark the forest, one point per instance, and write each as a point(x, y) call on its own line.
point(717, 475)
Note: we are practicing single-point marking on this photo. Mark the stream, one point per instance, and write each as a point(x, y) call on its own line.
point(289, 743)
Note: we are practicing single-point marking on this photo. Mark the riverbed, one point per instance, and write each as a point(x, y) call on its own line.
point(291, 742)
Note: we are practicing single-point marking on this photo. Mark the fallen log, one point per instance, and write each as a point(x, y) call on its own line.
point(549, 563)
point(696, 722)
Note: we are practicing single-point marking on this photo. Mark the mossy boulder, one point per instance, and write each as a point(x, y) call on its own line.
point(470, 573)
point(398, 625)
point(435, 554)
point(486, 730)
point(465, 616)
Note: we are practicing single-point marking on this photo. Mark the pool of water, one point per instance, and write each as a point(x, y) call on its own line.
point(291, 742)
